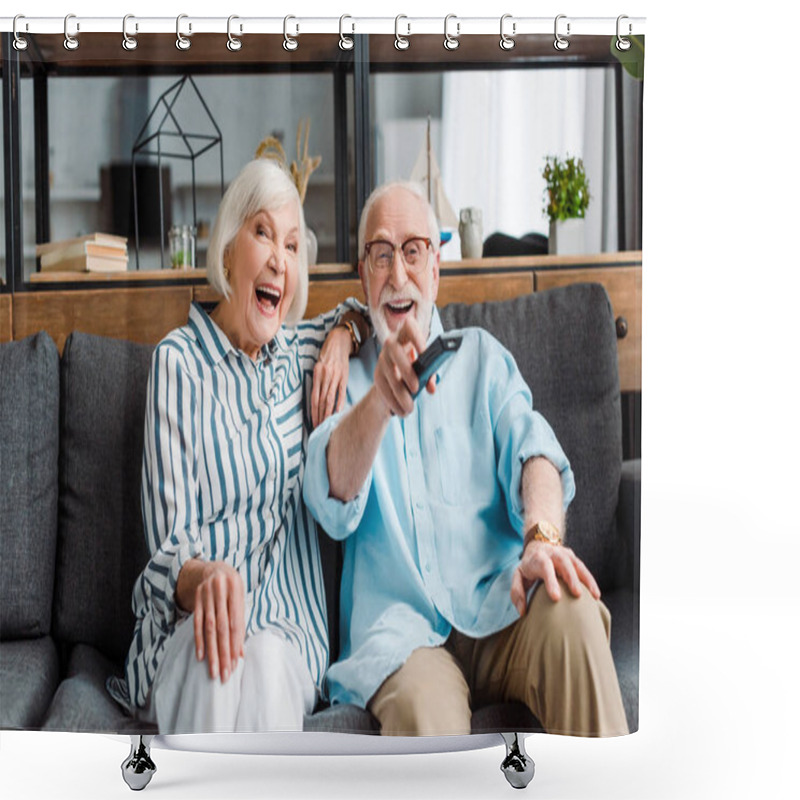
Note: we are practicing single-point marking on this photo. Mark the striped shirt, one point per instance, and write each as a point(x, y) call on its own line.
point(224, 456)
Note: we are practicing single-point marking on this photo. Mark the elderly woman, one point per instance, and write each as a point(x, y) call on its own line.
point(230, 613)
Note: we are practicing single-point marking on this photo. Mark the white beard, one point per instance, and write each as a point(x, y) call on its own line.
point(424, 308)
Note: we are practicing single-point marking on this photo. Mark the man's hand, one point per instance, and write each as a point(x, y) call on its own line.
point(330, 375)
point(394, 379)
point(214, 592)
point(547, 562)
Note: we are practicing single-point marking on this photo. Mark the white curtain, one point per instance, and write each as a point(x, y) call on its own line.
point(498, 128)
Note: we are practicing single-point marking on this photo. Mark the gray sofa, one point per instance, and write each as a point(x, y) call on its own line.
point(71, 531)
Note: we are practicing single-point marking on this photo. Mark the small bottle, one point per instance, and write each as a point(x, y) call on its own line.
point(182, 239)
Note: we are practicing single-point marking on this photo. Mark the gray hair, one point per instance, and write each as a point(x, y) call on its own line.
point(263, 184)
point(410, 186)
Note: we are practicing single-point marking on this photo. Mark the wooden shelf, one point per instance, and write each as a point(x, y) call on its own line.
point(628, 258)
point(476, 265)
point(166, 276)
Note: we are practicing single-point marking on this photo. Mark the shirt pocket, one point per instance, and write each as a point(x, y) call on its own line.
point(465, 476)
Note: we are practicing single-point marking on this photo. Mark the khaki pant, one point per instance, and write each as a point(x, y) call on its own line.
point(556, 660)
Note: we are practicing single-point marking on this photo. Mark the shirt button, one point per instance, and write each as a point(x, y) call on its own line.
point(419, 505)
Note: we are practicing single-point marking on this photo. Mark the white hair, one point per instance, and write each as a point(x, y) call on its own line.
point(409, 186)
point(262, 185)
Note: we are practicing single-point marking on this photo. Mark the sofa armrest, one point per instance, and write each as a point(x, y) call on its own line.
point(629, 524)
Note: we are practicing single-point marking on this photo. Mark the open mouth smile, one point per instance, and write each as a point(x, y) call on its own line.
point(267, 298)
point(399, 307)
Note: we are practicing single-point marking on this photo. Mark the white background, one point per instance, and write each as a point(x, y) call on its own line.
point(720, 601)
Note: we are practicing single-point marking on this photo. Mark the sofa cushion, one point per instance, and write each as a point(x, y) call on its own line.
point(28, 680)
point(101, 545)
point(504, 718)
point(341, 718)
point(82, 702)
point(564, 343)
point(28, 484)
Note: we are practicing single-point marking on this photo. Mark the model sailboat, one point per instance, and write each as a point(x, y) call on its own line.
point(426, 171)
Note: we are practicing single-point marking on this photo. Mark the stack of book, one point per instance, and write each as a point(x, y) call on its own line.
point(97, 252)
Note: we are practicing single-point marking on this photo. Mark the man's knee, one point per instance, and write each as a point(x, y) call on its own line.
point(427, 696)
point(581, 620)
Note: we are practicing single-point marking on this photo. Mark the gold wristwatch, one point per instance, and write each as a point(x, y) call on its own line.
point(355, 334)
point(544, 531)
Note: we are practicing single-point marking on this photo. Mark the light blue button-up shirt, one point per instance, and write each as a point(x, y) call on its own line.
point(433, 537)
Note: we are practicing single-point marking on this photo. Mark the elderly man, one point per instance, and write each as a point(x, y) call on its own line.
point(456, 587)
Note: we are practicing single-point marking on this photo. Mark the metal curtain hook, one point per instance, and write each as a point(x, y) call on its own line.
point(560, 42)
point(128, 42)
point(400, 42)
point(182, 43)
point(70, 42)
point(288, 42)
point(622, 42)
point(234, 44)
point(451, 42)
point(345, 42)
point(506, 41)
point(20, 42)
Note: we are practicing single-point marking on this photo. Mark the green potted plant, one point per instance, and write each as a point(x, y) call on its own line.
point(566, 200)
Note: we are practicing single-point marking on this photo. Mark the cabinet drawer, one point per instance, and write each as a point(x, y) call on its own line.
point(5, 317)
point(624, 287)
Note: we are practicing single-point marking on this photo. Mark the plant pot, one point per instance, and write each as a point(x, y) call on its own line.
point(566, 237)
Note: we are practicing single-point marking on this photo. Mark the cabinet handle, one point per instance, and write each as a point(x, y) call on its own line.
point(622, 327)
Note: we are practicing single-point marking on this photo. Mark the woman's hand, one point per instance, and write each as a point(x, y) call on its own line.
point(214, 592)
point(330, 375)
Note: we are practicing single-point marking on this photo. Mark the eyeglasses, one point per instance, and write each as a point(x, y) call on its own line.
point(380, 254)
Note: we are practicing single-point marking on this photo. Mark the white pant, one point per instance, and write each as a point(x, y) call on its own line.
point(269, 690)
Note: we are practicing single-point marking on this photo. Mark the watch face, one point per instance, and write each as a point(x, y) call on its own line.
point(548, 531)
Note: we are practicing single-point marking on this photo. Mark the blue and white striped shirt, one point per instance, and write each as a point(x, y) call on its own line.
point(224, 452)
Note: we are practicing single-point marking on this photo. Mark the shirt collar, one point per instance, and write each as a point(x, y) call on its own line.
point(215, 343)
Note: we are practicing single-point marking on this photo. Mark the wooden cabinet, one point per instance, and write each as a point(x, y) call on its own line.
point(141, 315)
point(5, 318)
point(143, 307)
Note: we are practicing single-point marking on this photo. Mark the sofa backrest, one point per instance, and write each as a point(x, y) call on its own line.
point(101, 544)
point(28, 484)
point(564, 343)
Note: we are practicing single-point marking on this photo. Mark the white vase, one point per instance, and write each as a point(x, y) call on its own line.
point(566, 237)
point(470, 231)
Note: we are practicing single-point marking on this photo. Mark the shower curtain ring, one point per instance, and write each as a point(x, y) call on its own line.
point(450, 41)
point(182, 43)
point(507, 42)
point(289, 43)
point(345, 42)
point(560, 42)
point(70, 42)
point(234, 43)
point(20, 42)
point(623, 43)
point(129, 42)
point(401, 42)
